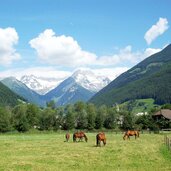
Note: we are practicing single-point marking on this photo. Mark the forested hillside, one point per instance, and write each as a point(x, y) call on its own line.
point(22, 90)
point(149, 79)
point(7, 97)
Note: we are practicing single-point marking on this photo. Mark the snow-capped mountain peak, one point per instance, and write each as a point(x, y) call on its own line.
point(41, 85)
point(89, 80)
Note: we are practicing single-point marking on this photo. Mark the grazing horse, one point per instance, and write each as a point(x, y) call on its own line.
point(67, 136)
point(131, 133)
point(100, 137)
point(80, 135)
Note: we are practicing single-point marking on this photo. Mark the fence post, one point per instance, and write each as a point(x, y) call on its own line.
point(165, 139)
point(168, 143)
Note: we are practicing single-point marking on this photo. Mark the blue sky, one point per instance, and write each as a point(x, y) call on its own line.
point(104, 35)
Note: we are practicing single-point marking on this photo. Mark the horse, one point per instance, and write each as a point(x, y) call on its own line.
point(67, 136)
point(79, 135)
point(131, 133)
point(100, 137)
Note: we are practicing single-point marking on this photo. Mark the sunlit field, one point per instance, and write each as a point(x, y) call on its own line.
point(49, 152)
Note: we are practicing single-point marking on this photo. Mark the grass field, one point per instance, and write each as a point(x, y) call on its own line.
point(50, 152)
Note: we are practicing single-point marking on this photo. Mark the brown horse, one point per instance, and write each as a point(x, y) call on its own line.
point(100, 137)
point(131, 133)
point(67, 136)
point(79, 135)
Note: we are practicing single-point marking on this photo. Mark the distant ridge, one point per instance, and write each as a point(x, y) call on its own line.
point(22, 90)
point(8, 97)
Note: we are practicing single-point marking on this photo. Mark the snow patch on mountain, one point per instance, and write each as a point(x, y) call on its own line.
point(40, 85)
point(89, 80)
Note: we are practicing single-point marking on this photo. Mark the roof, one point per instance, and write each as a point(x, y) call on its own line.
point(165, 112)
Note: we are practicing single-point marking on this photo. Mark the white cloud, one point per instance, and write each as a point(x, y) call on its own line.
point(44, 72)
point(150, 51)
point(50, 72)
point(111, 73)
point(156, 30)
point(124, 55)
point(60, 50)
point(64, 51)
point(8, 38)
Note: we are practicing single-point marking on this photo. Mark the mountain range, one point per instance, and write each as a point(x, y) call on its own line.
point(80, 86)
point(151, 78)
point(40, 85)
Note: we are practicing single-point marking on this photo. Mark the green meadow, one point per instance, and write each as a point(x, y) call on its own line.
point(48, 151)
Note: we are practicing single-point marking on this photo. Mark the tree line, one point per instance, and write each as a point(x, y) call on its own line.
point(24, 117)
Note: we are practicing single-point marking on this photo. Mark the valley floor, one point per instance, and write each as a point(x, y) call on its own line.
point(50, 152)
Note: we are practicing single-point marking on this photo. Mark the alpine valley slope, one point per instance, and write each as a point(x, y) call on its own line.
point(22, 90)
point(8, 97)
point(151, 78)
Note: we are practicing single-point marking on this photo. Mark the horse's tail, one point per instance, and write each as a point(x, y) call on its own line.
point(124, 135)
point(138, 134)
point(97, 139)
point(74, 138)
point(86, 139)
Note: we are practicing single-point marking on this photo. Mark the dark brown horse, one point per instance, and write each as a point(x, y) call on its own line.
point(131, 133)
point(79, 135)
point(100, 137)
point(67, 136)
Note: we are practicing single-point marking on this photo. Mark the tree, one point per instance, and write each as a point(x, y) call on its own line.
point(47, 119)
point(81, 120)
point(59, 118)
point(69, 120)
point(79, 106)
point(19, 118)
point(91, 115)
point(111, 119)
point(81, 115)
point(145, 121)
point(5, 120)
point(100, 117)
point(51, 104)
point(32, 113)
point(128, 121)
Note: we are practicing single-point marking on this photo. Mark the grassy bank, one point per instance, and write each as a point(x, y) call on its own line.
point(50, 152)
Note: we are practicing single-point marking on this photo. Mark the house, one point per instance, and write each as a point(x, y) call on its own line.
point(163, 114)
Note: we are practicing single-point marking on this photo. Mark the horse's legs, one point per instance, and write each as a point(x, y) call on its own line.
point(128, 137)
point(99, 143)
point(104, 142)
point(74, 138)
point(135, 136)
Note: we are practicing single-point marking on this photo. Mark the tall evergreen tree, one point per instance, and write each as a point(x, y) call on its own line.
point(5, 118)
point(32, 113)
point(111, 119)
point(100, 117)
point(91, 115)
point(69, 121)
point(19, 117)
